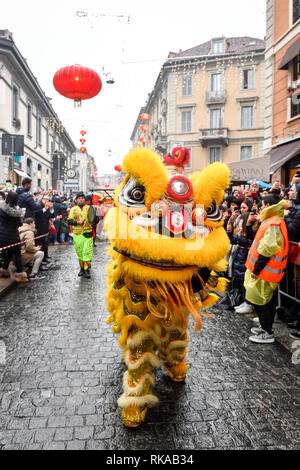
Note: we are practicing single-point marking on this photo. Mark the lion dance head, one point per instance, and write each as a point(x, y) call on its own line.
point(163, 229)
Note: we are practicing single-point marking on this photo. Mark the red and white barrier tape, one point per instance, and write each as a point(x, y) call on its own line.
point(22, 243)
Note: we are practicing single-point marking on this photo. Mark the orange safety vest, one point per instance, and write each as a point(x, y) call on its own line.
point(275, 268)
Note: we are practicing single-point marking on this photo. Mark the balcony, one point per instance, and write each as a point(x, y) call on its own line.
point(210, 137)
point(215, 97)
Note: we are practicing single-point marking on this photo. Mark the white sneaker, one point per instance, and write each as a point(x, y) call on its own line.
point(237, 307)
point(262, 337)
point(256, 320)
point(256, 331)
point(247, 308)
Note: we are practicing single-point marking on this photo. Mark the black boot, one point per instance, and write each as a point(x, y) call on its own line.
point(81, 272)
point(87, 274)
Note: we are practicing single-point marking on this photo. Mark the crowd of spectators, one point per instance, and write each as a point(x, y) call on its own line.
point(41, 218)
point(36, 220)
point(241, 213)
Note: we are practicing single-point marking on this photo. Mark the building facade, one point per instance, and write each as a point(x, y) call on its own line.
point(26, 111)
point(210, 99)
point(282, 138)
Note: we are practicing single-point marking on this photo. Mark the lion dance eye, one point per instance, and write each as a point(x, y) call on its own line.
point(137, 194)
point(133, 194)
point(214, 213)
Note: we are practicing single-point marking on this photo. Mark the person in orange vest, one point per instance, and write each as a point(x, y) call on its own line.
point(266, 265)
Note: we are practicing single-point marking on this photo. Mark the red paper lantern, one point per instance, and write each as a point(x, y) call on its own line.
point(144, 127)
point(82, 133)
point(83, 141)
point(77, 83)
point(144, 140)
point(83, 149)
point(145, 117)
point(118, 168)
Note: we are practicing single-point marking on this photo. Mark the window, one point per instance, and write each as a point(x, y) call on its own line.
point(186, 121)
point(215, 118)
point(187, 86)
point(47, 180)
point(39, 130)
point(246, 152)
point(47, 140)
point(216, 82)
point(295, 107)
point(29, 167)
point(214, 154)
point(248, 79)
point(29, 119)
point(296, 68)
point(218, 46)
point(189, 166)
point(247, 117)
point(15, 102)
point(39, 175)
point(296, 10)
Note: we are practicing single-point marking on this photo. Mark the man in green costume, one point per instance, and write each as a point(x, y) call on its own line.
point(82, 234)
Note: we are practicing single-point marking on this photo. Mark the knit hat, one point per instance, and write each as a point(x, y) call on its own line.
point(80, 194)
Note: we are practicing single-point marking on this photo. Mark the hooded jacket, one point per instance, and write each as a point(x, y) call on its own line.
point(10, 220)
point(27, 201)
point(258, 291)
point(27, 234)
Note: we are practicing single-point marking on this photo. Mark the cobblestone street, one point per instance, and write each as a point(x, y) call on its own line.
point(61, 376)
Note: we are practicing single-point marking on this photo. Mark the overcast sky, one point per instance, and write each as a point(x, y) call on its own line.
point(51, 35)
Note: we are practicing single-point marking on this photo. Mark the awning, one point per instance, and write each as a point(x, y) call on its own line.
point(21, 173)
point(280, 155)
point(290, 54)
point(254, 168)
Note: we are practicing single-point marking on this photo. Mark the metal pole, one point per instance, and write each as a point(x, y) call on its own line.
point(13, 159)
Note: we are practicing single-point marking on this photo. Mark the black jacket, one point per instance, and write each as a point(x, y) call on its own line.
point(10, 220)
point(26, 200)
point(42, 220)
point(293, 225)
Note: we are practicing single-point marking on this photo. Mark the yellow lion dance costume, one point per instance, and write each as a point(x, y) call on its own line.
point(167, 246)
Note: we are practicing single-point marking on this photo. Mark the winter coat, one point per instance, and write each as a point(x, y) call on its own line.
point(59, 208)
point(42, 220)
point(293, 226)
point(10, 221)
point(28, 249)
point(293, 219)
point(26, 200)
point(239, 256)
point(64, 225)
point(258, 291)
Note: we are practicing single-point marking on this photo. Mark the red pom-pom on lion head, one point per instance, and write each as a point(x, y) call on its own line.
point(179, 156)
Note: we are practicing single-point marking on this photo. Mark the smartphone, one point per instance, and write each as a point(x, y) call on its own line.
point(253, 211)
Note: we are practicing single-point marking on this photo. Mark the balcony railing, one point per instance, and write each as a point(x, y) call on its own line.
point(215, 97)
point(214, 136)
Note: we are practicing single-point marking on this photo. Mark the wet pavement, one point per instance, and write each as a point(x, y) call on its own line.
point(61, 374)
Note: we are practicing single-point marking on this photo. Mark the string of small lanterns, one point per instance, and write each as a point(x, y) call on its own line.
point(144, 128)
point(83, 141)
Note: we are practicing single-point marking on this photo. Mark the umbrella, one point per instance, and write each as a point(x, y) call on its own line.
point(261, 184)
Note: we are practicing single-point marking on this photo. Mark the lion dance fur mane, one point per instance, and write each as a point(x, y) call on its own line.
point(166, 253)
